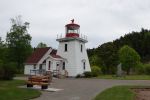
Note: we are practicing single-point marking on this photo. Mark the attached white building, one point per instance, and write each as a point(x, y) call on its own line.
point(43, 59)
point(70, 56)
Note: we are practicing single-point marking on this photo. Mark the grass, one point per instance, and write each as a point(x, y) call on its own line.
point(116, 93)
point(9, 91)
point(127, 77)
point(19, 75)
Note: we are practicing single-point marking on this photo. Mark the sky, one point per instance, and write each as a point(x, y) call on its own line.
point(100, 20)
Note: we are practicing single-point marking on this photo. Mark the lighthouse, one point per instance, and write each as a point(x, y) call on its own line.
point(72, 48)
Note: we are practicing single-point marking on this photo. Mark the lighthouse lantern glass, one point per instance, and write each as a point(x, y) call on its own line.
point(72, 31)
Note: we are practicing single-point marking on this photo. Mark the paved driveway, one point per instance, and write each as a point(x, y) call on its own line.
point(83, 89)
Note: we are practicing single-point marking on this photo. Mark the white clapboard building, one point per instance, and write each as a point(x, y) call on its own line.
point(71, 55)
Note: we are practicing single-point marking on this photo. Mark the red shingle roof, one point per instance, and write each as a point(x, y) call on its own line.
point(53, 54)
point(37, 55)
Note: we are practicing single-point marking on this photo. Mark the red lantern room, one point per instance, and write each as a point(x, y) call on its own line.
point(72, 29)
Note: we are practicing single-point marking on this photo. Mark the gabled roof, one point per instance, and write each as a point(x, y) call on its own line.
point(37, 55)
point(53, 54)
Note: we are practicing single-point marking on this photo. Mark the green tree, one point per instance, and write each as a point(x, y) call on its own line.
point(7, 68)
point(139, 41)
point(1, 47)
point(129, 58)
point(1, 69)
point(18, 42)
point(96, 70)
point(108, 54)
point(41, 45)
point(3, 50)
point(95, 60)
point(1, 42)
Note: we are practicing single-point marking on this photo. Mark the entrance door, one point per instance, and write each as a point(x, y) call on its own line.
point(40, 67)
point(49, 65)
point(57, 66)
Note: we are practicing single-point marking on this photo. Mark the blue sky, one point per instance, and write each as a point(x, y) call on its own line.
point(100, 20)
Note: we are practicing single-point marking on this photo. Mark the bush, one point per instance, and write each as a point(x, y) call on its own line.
point(147, 69)
point(7, 70)
point(95, 71)
point(140, 69)
point(143, 69)
point(1, 70)
point(80, 76)
point(87, 74)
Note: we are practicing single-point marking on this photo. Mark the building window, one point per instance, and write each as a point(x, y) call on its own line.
point(49, 65)
point(66, 48)
point(40, 68)
point(84, 65)
point(57, 64)
point(63, 66)
point(34, 66)
point(81, 47)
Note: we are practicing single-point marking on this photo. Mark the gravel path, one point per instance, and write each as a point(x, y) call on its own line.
point(83, 89)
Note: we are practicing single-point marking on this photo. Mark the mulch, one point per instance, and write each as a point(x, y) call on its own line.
point(142, 93)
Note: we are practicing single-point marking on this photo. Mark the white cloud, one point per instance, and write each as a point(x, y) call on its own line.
point(100, 20)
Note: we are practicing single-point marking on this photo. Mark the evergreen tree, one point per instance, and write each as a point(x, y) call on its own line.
point(108, 54)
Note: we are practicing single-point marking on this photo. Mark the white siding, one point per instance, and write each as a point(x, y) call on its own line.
point(27, 69)
point(74, 57)
point(54, 63)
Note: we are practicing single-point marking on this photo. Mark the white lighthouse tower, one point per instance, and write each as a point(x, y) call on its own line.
point(72, 48)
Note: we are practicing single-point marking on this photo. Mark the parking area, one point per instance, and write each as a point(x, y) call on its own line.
point(83, 89)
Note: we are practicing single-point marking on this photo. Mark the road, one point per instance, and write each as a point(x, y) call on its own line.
point(83, 89)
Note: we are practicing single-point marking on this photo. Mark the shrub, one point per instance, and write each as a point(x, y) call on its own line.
point(140, 69)
point(96, 71)
point(80, 76)
point(87, 74)
point(147, 69)
point(7, 70)
point(1, 70)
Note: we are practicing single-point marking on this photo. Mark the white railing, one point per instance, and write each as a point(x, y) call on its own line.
point(60, 36)
point(82, 36)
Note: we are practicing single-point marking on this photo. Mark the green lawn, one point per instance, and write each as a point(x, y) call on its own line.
point(10, 91)
point(116, 93)
point(127, 77)
point(19, 75)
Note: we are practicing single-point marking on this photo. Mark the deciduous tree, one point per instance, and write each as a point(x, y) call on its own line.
point(18, 42)
point(129, 58)
point(41, 45)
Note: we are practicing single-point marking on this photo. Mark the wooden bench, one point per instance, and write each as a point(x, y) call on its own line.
point(43, 81)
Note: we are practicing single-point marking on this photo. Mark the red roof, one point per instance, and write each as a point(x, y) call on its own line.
point(53, 54)
point(37, 55)
point(72, 26)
